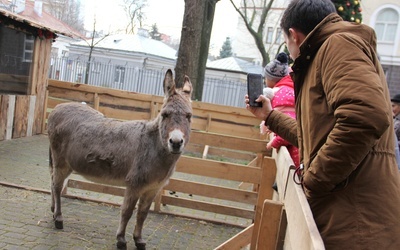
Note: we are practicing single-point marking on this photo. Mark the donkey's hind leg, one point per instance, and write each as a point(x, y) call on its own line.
point(143, 209)
point(59, 172)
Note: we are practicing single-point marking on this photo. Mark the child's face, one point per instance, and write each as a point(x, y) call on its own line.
point(269, 83)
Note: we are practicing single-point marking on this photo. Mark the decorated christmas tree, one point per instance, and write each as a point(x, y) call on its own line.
point(349, 10)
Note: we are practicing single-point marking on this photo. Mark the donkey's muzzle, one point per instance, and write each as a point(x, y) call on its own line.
point(176, 142)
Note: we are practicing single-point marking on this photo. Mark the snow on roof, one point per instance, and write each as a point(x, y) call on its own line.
point(235, 64)
point(134, 43)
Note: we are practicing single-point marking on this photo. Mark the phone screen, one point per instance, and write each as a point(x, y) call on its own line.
point(254, 88)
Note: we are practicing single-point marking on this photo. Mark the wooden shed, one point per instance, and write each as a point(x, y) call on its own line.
point(26, 36)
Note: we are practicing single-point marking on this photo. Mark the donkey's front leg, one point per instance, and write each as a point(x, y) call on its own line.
point(130, 200)
point(144, 205)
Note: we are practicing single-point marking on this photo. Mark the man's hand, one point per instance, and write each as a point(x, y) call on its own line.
point(259, 112)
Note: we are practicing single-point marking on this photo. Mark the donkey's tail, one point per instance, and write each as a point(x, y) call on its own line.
point(50, 160)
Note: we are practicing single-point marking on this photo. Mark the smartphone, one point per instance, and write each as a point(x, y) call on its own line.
point(254, 88)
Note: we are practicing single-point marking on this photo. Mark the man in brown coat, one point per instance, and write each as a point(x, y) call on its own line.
point(344, 127)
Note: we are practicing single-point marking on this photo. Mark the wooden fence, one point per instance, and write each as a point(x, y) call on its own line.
point(274, 220)
point(282, 222)
point(225, 150)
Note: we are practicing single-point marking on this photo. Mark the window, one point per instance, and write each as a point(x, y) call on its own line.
point(119, 75)
point(386, 25)
point(28, 48)
point(270, 32)
point(278, 38)
point(16, 51)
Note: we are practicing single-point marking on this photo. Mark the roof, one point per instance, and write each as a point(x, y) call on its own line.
point(134, 43)
point(235, 64)
point(44, 22)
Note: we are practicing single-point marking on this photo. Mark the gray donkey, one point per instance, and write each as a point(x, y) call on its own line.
point(140, 155)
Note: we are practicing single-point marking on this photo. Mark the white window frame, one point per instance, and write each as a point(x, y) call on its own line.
point(270, 33)
point(278, 36)
point(385, 26)
point(373, 19)
point(28, 53)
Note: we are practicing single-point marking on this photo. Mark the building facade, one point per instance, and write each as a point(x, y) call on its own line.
point(384, 18)
point(243, 43)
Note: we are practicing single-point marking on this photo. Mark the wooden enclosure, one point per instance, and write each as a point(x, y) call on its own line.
point(224, 151)
point(226, 170)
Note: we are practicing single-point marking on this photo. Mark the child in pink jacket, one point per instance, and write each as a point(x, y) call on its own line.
point(281, 93)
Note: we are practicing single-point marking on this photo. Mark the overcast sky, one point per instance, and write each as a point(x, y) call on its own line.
point(167, 14)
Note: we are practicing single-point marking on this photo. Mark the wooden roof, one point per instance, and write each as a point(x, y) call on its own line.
point(29, 17)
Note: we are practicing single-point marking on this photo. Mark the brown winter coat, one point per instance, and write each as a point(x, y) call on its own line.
point(344, 130)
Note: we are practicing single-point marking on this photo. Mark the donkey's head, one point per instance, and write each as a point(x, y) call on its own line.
point(176, 114)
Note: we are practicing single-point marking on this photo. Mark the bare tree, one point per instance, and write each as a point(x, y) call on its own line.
point(68, 11)
point(92, 42)
point(134, 11)
point(195, 42)
point(254, 17)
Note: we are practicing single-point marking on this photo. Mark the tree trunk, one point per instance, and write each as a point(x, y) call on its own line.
point(195, 41)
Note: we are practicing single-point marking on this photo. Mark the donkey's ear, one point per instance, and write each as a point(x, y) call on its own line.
point(187, 87)
point(169, 83)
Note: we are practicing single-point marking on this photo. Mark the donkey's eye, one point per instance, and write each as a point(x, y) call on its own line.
point(189, 117)
point(165, 115)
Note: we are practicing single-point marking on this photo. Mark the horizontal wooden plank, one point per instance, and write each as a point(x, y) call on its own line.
point(96, 187)
point(126, 103)
point(228, 141)
point(71, 94)
point(239, 116)
point(218, 169)
point(101, 90)
point(208, 207)
point(221, 153)
point(124, 114)
point(235, 130)
point(53, 102)
point(11, 78)
point(210, 107)
point(212, 191)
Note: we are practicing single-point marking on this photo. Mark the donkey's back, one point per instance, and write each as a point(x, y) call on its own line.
point(99, 148)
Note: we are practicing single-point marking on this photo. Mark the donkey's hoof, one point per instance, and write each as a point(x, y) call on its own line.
point(140, 245)
point(59, 224)
point(121, 244)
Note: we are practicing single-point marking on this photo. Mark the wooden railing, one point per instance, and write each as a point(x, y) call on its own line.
point(284, 222)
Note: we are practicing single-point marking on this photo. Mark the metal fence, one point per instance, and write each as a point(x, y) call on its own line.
point(224, 91)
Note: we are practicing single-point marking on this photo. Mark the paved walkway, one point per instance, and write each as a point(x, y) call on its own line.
point(26, 220)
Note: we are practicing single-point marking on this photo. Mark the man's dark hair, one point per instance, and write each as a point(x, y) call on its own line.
point(304, 15)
